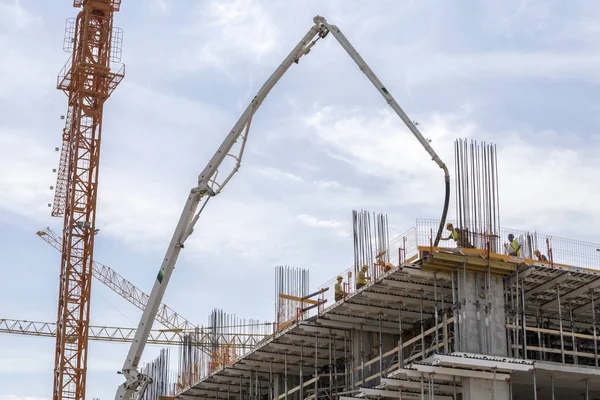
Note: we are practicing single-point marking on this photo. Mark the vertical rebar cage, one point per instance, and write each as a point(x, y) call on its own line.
point(217, 345)
point(162, 379)
point(289, 282)
point(477, 195)
point(371, 241)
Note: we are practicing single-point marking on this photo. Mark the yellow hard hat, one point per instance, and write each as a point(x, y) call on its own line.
point(365, 266)
point(448, 225)
point(536, 251)
point(340, 277)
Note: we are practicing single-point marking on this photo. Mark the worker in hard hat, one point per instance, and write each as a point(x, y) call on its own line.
point(339, 289)
point(362, 278)
point(514, 248)
point(453, 232)
point(540, 256)
point(458, 235)
point(385, 266)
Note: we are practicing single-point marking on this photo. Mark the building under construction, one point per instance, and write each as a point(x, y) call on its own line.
point(445, 322)
point(467, 316)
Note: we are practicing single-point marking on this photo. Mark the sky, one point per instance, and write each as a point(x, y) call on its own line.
point(523, 74)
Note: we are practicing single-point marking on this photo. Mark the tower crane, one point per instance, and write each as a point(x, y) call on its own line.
point(97, 333)
point(88, 81)
point(124, 288)
point(207, 339)
point(209, 186)
point(175, 323)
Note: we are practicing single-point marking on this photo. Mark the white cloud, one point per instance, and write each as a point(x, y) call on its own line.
point(17, 397)
point(328, 184)
point(144, 217)
point(246, 228)
point(500, 65)
point(14, 17)
point(335, 193)
point(339, 227)
point(24, 81)
point(238, 29)
point(547, 184)
point(516, 16)
point(551, 189)
point(26, 174)
point(276, 174)
point(160, 6)
point(29, 360)
point(378, 145)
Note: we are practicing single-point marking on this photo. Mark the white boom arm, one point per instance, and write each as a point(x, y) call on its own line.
point(136, 382)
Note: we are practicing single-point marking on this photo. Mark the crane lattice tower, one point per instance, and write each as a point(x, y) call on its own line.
point(88, 81)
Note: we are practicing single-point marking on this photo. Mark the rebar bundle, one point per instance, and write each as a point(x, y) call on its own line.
point(371, 239)
point(291, 282)
point(477, 195)
point(162, 380)
point(225, 339)
point(193, 362)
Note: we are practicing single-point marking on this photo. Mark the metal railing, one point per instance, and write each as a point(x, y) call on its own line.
point(558, 346)
point(425, 231)
point(403, 247)
point(556, 250)
point(349, 285)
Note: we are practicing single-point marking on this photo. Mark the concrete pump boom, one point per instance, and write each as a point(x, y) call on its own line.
point(136, 382)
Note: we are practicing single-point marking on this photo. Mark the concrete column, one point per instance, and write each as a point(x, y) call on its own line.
point(277, 385)
point(478, 389)
point(362, 344)
point(370, 349)
point(473, 328)
point(389, 342)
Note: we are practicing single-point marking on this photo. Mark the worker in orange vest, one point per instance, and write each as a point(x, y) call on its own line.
point(386, 266)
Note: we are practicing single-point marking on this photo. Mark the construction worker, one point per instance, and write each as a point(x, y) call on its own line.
point(362, 278)
point(459, 236)
point(386, 266)
point(453, 233)
point(514, 248)
point(339, 289)
point(540, 256)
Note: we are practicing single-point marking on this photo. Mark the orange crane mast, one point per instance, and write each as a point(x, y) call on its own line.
point(88, 81)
